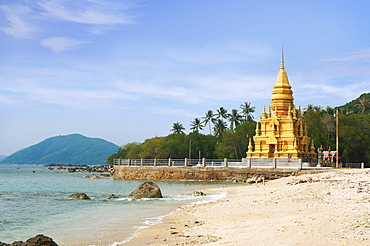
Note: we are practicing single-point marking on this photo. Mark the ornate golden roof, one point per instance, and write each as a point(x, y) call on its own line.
point(282, 95)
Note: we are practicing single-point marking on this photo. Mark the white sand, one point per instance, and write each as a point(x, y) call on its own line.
point(331, 208)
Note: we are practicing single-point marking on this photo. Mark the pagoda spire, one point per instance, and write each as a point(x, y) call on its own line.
point(282, 94)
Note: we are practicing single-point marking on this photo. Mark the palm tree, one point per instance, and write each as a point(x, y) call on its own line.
point(208, 119)
point(318, 108)
point(222, 113)
point(177, 128)
point(363, 105)
point(219, 127)
point(345, 111)
point(330, 110)
point(235, 119)
point(196, 125)
point(309, 108)
point(247, 111)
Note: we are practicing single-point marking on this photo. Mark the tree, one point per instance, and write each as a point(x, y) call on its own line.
point(320, 128)
point(153, 148)
point(234, 144)
point(175, 146)
point(219, 127)
point(345, 111)
point(247, 111)
point(354, 138)
point(235, 119)
point(202, 146)
point(177, 128)
point(330, 110)
point(208, 119)
point(222, 113)
point(363, 106)
point(124, 152)
point(196, 125)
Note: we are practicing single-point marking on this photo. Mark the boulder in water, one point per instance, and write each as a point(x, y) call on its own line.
point(198, 193)
point(39, 240)
point(80, 196)
point(146, 190)
point(113, 196)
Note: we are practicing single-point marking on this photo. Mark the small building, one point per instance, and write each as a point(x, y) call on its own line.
point(281, 132)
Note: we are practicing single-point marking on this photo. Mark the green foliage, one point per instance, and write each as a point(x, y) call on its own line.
point(354, 133)
point(206, 144)
point(358, 106)
point(69, 149)
point(321, 128)
point(123, 152)
point(354, 138)
point(234, 144)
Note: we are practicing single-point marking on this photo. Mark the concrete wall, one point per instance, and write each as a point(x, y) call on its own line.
point(196, 173)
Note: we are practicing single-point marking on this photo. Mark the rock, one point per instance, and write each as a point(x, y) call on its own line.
point(95, 177)
point(146, 190)
point(105, 175)
point(256, 179)
point(80, 196)
point(86, 176)
point(39, 240)
point(113, 196)
point(198, 193)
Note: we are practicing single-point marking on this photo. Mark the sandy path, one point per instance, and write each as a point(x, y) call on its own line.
point(331, 208)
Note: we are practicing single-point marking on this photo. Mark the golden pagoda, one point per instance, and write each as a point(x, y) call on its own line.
point(281, 132)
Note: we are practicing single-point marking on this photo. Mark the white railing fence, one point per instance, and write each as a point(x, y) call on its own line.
point(245, 162)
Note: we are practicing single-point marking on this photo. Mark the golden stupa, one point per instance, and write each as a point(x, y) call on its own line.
point(281, 132)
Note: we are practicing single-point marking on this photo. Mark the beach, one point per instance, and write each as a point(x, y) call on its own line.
point(326, 208)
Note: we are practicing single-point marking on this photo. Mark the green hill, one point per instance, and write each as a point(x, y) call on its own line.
point(353, 105)
point(69, 149)
point(2, 157)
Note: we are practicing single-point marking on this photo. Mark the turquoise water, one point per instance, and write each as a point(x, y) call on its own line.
point(33, 201)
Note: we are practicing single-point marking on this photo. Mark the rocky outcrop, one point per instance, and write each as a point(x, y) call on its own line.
point(39, 240)
point(80, 196)
point(86, 169)
point(146, 190)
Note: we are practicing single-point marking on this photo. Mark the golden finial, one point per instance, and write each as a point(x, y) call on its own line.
point(250, 146)
point(282, 57)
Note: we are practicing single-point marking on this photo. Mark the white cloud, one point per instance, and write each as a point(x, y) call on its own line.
point(86, 12)
point(201, 89)
point(61, 44)
point(71, 97)
point(357, 56)
point(19, 21)
point(219, 53)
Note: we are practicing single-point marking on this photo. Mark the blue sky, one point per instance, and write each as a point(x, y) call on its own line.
point(126, 71)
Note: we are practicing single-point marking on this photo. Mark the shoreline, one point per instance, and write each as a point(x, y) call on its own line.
point(329, 208)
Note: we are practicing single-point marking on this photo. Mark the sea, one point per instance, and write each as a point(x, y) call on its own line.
point(33, 200)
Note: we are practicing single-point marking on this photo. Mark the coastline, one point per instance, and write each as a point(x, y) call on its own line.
point(330, 208)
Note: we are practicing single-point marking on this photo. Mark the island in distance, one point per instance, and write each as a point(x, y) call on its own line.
point(67, 149)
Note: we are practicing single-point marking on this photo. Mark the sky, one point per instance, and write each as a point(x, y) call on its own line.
point(125, 71)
